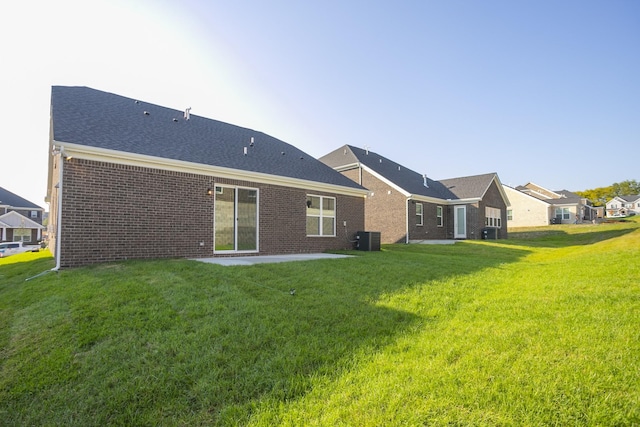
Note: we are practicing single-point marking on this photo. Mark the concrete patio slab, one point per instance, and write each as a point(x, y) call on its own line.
point(262, 259)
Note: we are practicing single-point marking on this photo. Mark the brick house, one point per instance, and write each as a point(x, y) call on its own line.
point(128, 179)
point(20, 219)
point(405, 206)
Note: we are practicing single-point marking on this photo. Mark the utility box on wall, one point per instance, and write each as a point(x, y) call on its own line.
point(368, 240)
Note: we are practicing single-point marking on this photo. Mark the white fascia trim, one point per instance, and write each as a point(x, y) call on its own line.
point(347, 167)
point(385, 180)
point(446, 202)
point(418, 197)
point(71, 150)
point(532, 199)
point(503, 193)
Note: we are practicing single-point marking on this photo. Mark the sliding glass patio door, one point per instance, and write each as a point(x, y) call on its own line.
point(236, 219)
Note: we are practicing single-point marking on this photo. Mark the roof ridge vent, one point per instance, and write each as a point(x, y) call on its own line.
point(187, 113)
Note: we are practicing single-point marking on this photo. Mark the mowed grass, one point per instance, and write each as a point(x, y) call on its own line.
point(540, 329)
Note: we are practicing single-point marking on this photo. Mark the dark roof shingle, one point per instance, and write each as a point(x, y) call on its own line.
point(7, 198)
point(410, 181)
point(94, 118)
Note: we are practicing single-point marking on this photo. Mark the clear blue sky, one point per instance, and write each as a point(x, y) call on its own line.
point(541, 91)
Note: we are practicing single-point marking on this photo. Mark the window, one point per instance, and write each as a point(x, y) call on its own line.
point(34, 214)
point(321, 216)
point(563, 213)
point(509, 214)
point(419, 214)
point(439, 216)
point(21, 235)
point(492, 217)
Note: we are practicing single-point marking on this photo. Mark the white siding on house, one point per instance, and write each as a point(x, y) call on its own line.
point(526, 211)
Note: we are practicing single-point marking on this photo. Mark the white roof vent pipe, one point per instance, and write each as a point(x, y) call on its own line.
point(425, 183)
point(187, 113)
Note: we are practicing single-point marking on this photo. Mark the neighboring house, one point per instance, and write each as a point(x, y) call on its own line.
point(20, 219)
point(128, 179)
point(623, 206)
point(405, 206)
point(533, 205)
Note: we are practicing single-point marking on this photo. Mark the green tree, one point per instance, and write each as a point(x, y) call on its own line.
point(599, 196)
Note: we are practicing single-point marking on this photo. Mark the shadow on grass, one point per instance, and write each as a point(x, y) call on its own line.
point(553, 237)
point(18, 268)
point(191, 343)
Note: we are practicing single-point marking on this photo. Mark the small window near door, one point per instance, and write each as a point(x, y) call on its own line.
point(439, 216)
point(419, 214)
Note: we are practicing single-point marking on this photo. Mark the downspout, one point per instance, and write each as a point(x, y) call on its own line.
point(406, 221)
point(59, 224)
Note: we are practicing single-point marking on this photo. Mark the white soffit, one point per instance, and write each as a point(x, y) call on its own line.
point(71, 151)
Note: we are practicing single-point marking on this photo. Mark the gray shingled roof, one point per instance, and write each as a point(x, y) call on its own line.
point(410, 181)
point(567, 197)
point(7, 198)
point(630, 198)
point(94, 118)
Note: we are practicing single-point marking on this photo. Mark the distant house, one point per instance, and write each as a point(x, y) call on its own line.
point(406, 206)
point(20, 219)
point(533, 205)
point(129, 179)
point(623, 206)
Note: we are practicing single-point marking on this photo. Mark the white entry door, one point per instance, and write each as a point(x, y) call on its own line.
point(459, 222)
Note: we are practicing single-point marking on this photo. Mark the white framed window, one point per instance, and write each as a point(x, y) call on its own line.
point(419, 214)
point(509, 214)
point(563, 213)
point(34, 214)
point(321, 216)
point(439, 221)
point(21, 235)
point(492, 217)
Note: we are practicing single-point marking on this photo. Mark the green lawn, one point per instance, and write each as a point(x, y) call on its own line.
point(540, 329)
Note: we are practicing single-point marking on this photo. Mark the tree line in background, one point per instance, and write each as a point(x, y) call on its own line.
point(600, 196)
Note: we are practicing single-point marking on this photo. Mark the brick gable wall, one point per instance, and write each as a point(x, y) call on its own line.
point(114, 212)
point(385, 210)
point(493, 199)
